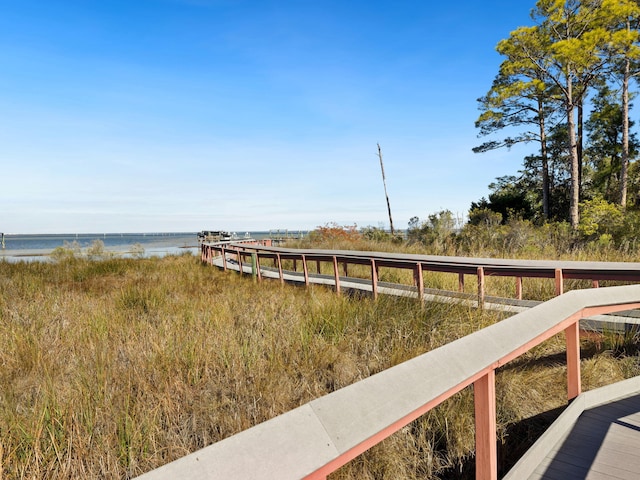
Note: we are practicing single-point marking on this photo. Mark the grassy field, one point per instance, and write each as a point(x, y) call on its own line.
point(111, 368)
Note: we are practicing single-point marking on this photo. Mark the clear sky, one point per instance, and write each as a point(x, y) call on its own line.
point(184, 115)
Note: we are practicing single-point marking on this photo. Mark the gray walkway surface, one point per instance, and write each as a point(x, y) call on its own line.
point(603, 443)
point(619, 322)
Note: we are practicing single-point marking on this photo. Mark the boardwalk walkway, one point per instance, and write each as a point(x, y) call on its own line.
point(596, 437)
point(603, 443)
point(618, 322)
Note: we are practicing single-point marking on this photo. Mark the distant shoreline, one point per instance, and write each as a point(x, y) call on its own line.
point(40, 247)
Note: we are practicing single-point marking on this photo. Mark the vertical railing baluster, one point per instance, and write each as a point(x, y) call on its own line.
point(305, 270)
point(572, 337)
point(484, 392)
point(374, 279)
point(559, 282)
point(480, 287)
point(279, 259)
point(420, 282)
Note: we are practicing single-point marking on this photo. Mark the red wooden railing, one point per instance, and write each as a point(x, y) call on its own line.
point(481, 268)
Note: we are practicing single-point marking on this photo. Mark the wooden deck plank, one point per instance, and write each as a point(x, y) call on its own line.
point(603, 443)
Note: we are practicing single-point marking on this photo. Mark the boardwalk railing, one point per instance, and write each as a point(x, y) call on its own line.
point(257, 255)
point(317, 438)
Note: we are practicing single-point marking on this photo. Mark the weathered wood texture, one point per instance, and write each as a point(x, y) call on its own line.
point(603, 443)
point(597, 436)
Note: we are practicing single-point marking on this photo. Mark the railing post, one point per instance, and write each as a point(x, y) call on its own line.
point(305, 270)
point(336, 274)
point(258, 267)
point(519, 288)
point(480, 287)
point(574, 383)
point(420, 282)
point(595, 283)
point(345, 268)
point(239, 259)
point(484, 392)
point(374, 279)
point(280, 268)
point(224, 259)
point(318, 267)
point(559, 282)
point(461, 282)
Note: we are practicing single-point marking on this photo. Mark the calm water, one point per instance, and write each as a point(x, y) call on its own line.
point(33, 247)
point(37, 247)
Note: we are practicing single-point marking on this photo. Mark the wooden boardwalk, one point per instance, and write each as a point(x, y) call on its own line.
point(603, 443)
point(596, 437)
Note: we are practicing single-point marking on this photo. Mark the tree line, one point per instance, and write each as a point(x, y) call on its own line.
point(565, 86)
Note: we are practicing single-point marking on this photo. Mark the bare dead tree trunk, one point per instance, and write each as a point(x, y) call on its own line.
point(384, 182)
point(624, 170)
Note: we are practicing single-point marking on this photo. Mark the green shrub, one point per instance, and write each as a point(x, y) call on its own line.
point(598, 217)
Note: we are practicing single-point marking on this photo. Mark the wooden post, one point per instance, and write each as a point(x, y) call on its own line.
point(480, 287)
point(224, 259)
point(595, 283)
point(345, 269)
point(305, 270)
point(318, 267)
point(280, 268)
point(461, 282)
point(519, 288)
point(572, 337)
point(336, 274)
point(258, 267)
point(484, 392)
point(559, 282)
point(420, 282)
point(295, 265)
point(254, 272)
point(374, 279)
point(239, 259)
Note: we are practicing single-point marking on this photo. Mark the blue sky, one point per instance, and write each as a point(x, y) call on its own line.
point(183, 115)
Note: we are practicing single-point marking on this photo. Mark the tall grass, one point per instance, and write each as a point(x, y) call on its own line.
point(111, 368)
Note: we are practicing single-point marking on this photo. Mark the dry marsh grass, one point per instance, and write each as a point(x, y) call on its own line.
point(111, 368)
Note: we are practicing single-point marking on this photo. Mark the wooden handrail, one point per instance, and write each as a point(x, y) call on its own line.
point(317, 438)
point(479, 267)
